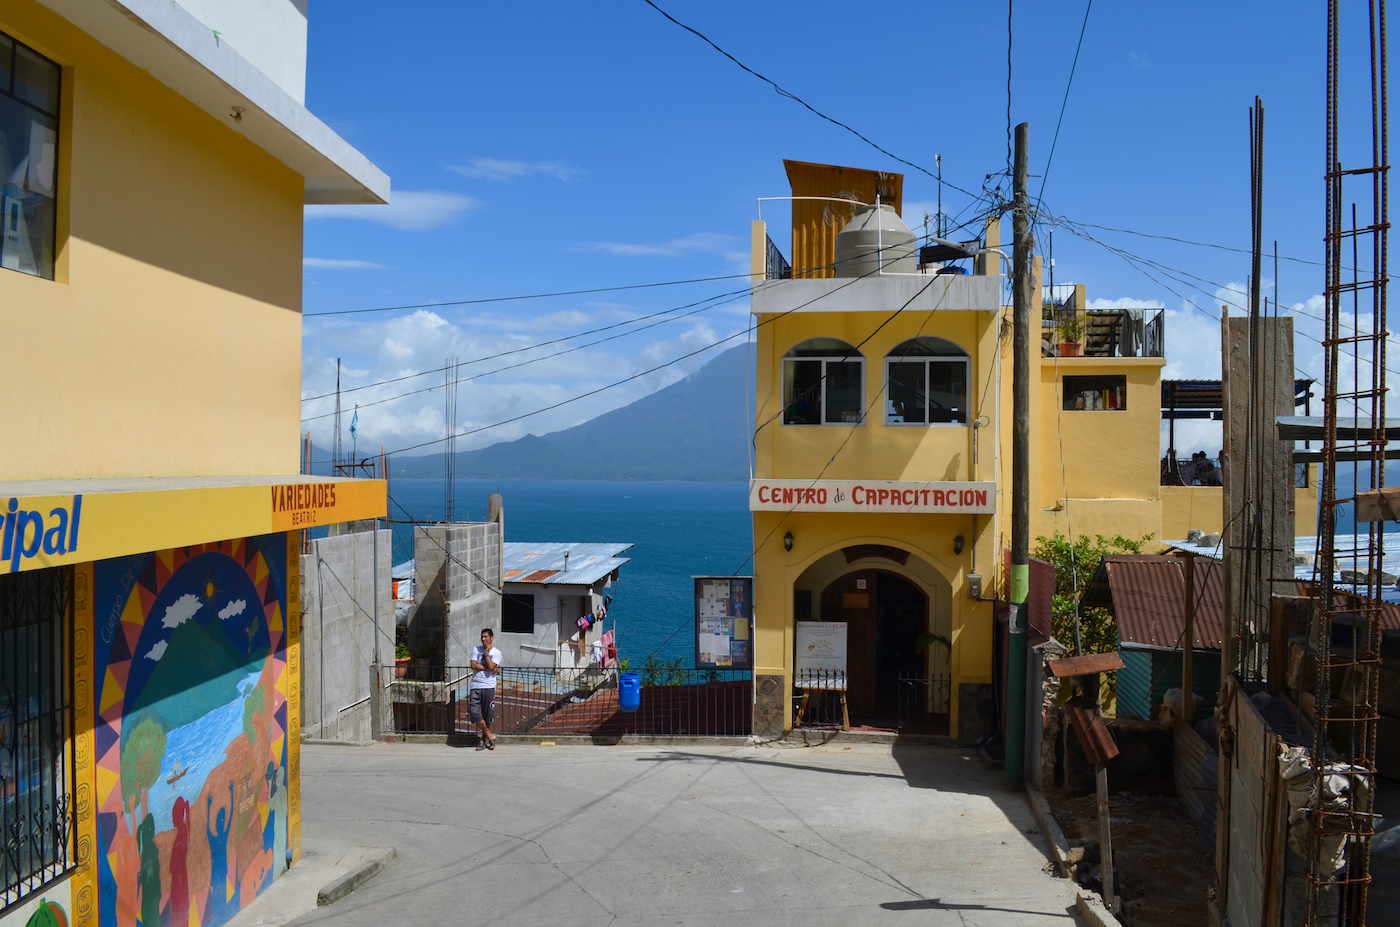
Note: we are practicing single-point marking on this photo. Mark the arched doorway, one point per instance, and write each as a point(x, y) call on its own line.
point(885, 614)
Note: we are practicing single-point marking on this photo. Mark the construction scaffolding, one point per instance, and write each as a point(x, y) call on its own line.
point(1347, 627)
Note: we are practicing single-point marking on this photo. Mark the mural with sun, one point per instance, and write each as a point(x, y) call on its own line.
point(191, 733)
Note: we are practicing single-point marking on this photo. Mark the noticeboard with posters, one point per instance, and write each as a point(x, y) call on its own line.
point(723, 622)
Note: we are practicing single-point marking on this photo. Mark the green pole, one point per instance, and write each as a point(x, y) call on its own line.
point(1015, 763)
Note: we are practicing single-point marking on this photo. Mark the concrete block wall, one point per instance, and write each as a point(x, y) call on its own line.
point(337, 632)
point(456, 590)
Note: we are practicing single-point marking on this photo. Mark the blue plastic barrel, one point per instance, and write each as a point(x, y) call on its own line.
point(629, 691)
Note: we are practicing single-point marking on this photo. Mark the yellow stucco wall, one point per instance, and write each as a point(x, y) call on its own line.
point(1097, 470)
point(170, 342)
point(875, 450)
point(1187, 507)
point(928, 537)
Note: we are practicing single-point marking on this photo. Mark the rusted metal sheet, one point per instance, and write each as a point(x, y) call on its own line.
point(1148, 595)
point(1094, 735)
point(539, 576)
point(1086, 665)
point(815, 223)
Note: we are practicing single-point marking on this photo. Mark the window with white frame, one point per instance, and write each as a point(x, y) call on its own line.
point(823, 383)
point(28, 158)
point(926, 383)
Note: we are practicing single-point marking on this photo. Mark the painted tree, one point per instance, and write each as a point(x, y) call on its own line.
point(140, 762)
point(253, 706)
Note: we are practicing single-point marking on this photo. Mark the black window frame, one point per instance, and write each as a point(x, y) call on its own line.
point(39, 602)
point(1073, 386)
point(511, 622)
point(7, 91)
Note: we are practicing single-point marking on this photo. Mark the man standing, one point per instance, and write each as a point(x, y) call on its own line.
point(486, 660)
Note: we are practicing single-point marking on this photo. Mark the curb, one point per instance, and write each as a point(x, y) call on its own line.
point(334, 891)
point(1090, 907)
point(1059, 847)
point(815, 737)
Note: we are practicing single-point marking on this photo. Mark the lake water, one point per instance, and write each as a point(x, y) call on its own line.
point(680, 530)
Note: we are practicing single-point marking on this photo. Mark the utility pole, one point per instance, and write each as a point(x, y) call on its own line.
point(1015, 761)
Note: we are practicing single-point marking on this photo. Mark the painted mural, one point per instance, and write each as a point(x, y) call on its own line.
point(191, 690)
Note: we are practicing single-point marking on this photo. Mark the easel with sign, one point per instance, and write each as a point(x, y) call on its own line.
point(834, 683)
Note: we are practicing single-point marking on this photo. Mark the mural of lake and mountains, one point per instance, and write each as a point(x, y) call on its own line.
point(191, 746)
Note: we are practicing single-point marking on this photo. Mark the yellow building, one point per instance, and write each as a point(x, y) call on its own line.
point(881, 490)
point(155, 157)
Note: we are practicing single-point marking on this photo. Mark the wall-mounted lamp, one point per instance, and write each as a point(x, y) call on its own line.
point(237, 112)
point(958, 543)
point(787, 541)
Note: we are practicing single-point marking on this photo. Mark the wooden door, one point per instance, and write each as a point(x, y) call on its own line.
point(851, 598)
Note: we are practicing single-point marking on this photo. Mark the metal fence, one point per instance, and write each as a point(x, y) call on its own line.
point(544, 702)
point(36, 718)
point(924, 703)
point(819, 699)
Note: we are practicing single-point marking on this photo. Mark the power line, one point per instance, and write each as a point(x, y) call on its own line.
point(796, 99)
point(507, 299)
point(715, 300)
point(669, 363)
point(1063, 103)
point(1187, 241)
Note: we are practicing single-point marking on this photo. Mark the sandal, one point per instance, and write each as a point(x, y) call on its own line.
point(491, 744)
point(481, 745)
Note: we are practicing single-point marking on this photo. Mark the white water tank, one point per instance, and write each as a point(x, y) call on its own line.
point(876, 241)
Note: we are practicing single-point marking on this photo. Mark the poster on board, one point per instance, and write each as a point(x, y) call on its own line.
point(723, 622)
point(821, 653)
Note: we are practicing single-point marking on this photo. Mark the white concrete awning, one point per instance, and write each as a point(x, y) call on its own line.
point(181, 52)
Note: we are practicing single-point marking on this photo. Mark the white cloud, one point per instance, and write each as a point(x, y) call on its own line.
point(407, 210)
point(698, 243)
point(181, 610)
point(409, 412)
point(232, 609)
point(311, 263)
point(498, 169)
point(157, 650)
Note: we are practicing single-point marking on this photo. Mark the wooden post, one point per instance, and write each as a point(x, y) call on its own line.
point(1105, 836)
point(1188, 641)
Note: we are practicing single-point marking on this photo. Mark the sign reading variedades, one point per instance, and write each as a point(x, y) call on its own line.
point(723, 622)
point(923, 498)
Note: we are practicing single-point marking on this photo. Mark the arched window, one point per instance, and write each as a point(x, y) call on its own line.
point(926, 381)
point(823, 384)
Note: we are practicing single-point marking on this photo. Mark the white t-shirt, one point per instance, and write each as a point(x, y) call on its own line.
point(481, 679)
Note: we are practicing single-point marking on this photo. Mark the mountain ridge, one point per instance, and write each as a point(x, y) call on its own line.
point(690, 431)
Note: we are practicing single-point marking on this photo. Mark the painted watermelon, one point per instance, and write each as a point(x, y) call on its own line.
point(47, 915)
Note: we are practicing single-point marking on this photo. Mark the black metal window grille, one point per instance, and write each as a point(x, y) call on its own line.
point(36, 721)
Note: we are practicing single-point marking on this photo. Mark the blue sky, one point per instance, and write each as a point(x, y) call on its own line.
point(539, 147)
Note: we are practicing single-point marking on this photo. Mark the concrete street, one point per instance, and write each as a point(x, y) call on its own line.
point(694, 835)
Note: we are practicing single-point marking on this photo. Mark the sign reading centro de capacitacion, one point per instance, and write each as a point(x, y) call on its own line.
point(894, 496)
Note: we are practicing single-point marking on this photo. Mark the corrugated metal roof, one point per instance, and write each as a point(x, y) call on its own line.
point(1147, 591)
point(543, 562)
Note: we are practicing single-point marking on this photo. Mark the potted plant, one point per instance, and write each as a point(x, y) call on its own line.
point(401, 658)
point(1069, 329)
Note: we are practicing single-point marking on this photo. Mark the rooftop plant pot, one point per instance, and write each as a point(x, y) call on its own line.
point(1069, 349)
